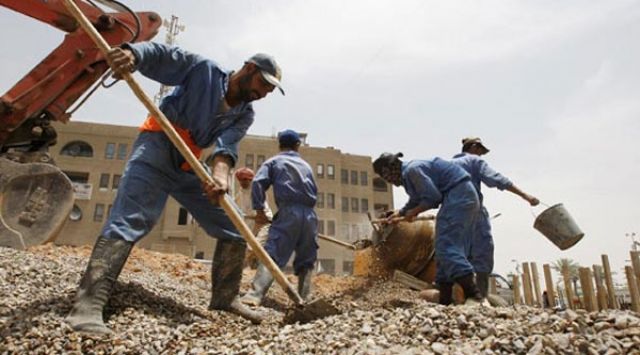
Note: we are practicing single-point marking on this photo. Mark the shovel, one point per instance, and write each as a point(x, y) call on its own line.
point(304, 312)
point(402, 219)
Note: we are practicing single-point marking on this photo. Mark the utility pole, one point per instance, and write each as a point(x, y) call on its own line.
point(173, 29)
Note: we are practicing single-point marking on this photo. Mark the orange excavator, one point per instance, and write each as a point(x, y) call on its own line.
point(35, 196)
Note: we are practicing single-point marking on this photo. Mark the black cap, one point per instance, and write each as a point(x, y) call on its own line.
point(384, 160)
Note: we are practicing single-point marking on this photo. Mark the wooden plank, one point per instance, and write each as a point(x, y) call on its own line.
point(515, 283)
point(537, 296)
point(601, 291)
point(410, 281)
point(635, 263)
point(633, 288)
point(548, 282)
point(588, 295)
point(611, 291)
point(526, 284)
point(567, 287)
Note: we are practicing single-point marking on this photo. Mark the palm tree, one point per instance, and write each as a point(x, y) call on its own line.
point(571, 265)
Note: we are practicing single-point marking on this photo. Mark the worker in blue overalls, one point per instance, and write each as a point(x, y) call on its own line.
point(295, 225)
point(439, 183)
point(482, 247)
point(209, 106)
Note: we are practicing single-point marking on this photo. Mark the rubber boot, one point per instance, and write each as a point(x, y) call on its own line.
point(259, 288)
point(107, 259)
point(226, 274)
point(482, 280)
point(471, 293)
point(304, 283)
point(446, 293)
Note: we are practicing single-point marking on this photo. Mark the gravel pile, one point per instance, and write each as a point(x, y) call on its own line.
point(160, 306)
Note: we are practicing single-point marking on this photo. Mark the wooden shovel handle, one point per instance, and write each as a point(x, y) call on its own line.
point(225, 202)
point(402, 219)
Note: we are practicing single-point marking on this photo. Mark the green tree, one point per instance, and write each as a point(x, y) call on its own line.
point(571, 265)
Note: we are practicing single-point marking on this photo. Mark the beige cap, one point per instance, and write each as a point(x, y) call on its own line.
point(474, 140)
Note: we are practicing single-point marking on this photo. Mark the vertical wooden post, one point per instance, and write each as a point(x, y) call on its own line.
point(493, 289)
point(515, 283)
point(526, 284)
point(588, 296)
point(611, 291)
point(633, 289)
point(536, 285)
point(548, 281)
point(567, 287)
point(635, 262)
point(600, 289)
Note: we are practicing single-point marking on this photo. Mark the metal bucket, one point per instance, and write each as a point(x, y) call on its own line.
point(558, 226)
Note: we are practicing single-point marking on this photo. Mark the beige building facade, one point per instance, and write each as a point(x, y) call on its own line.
point(93, 156)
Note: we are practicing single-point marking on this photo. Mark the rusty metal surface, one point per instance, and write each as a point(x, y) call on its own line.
point(35, 200)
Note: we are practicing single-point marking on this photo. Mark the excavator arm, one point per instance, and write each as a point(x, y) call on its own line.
point(68, 72)
point(35, 196)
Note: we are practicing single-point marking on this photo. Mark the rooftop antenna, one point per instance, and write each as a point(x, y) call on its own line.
point(173, 29)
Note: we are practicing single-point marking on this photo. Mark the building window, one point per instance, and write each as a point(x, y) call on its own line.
point(355, 233)
point(326, 266)
point(109, 210)
point(344, 231)
point(347, 267)
point(183, 215)
point(364, 178)
point(354, 177)
point(354, 205)
point(259, 161)
point(320, 170)
point(364, 205)
point(98, 214)
point(104, 181)
point(77, 149)
point(122, 151)
point(331, 228)
point(75, 176)
point(381, 207)
point(344, 176)
point(116, 182)
point(320, 200)
point(199, 255)
point(248, 161)
point(110, 151)
point(320, 226)
point(331, 172)
point(345, 204)
point(331, 200)
point(379, 185)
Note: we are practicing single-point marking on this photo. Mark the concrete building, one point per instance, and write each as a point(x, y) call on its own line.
point(93, 156)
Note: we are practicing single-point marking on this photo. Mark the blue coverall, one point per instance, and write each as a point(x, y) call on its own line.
point(437, 182)
point(295, 226)
point(482, 247)
point(153, 171)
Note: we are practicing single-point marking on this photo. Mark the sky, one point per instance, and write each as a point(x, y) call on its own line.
point(552, 88)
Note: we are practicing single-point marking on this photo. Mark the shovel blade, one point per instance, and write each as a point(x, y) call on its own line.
point(310, 311)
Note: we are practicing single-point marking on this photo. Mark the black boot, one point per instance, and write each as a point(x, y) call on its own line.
point(226, 274)
point(260, 286)
point(304, 283)
point(482, 280)
point(446, 293)
point(471, 293)
point(107, 259)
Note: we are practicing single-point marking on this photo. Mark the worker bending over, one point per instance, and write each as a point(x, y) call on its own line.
point(438, 183)
point(482, 247)
point(295, 225)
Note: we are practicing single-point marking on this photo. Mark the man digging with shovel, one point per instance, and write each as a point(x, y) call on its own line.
point(438, 183)
point(295, 225)
point(209, 106)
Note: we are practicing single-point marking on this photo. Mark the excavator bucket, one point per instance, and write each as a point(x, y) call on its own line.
point(35, 200)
